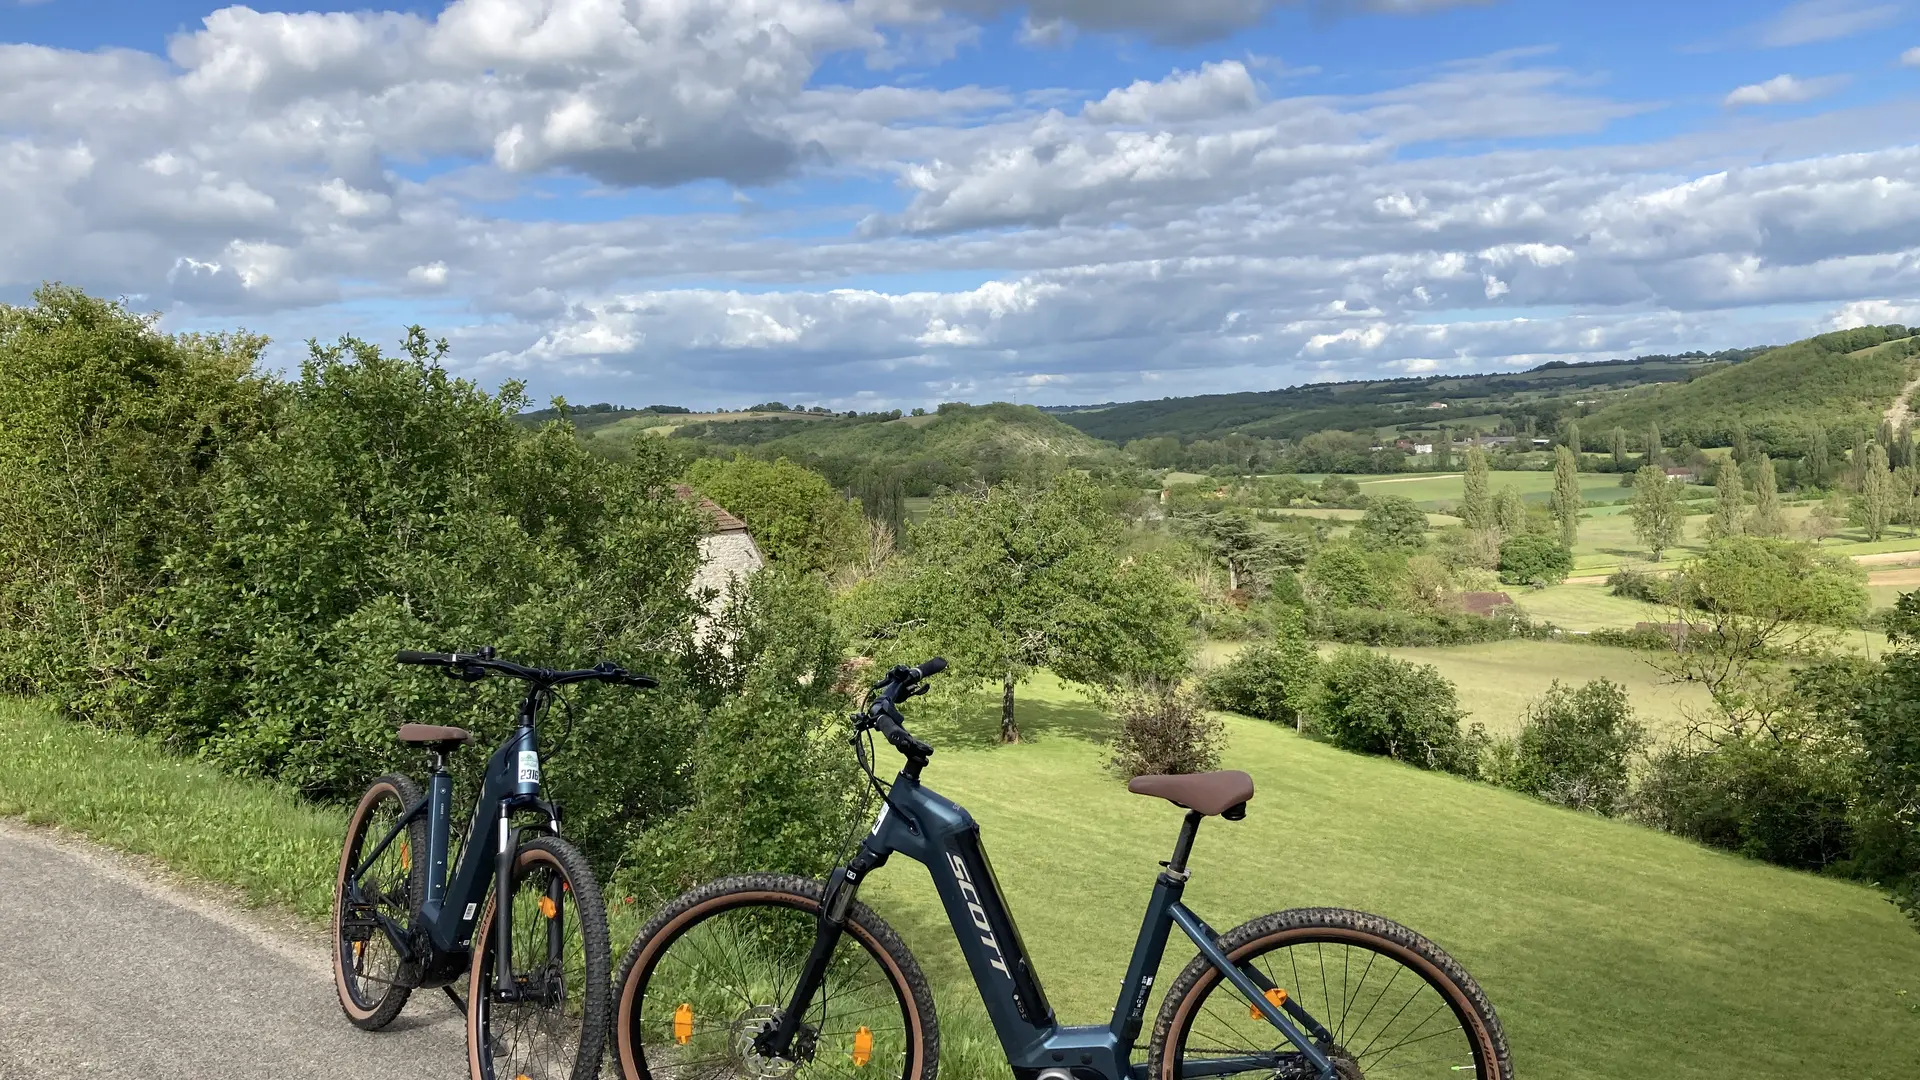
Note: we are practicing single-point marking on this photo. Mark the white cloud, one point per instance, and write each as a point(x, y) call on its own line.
point(1215, 89)
point(1811, 21)
point(1783, 90)
point(1875, 313)
point(1911, 58)
point(1193, 233)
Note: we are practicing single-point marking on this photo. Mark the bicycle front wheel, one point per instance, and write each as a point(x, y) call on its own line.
point(553, 1025)
point(1393, 1002)
point(718, 966)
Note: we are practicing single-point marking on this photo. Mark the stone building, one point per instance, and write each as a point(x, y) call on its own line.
point(727, 554)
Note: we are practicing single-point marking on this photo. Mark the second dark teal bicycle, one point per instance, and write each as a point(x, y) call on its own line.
point(771, 977)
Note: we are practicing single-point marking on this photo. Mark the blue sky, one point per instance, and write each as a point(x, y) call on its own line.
point(875, 203)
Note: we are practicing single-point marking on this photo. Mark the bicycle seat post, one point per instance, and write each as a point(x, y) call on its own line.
point(1177, 866)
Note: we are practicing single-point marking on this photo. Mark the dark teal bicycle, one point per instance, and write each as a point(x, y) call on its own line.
point(518, 918)
point(770, 977)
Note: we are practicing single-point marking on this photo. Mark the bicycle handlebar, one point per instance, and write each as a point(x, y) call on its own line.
point(477, 665)
point(884, 713)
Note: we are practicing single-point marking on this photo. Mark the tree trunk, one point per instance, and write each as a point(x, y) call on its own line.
point(1009, 733)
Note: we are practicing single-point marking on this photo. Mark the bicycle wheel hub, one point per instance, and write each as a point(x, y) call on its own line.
point(745, 1035)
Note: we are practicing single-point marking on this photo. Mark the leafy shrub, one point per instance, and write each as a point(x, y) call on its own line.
point(1748, 792)
point(1392, 522)
point(1368, 626)
point(1341, 576)
point(1163, 728)
point(1273, 680)
point(1650, 638)
point(1637, 583)
point(1375, 704)
point(1534, 558)
point(773, 784)
point(390, 507)
point(108, 431)
point(1575, 746)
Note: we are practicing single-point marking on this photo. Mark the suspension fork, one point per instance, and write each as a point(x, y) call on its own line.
point(842, 885)
point(503, 984)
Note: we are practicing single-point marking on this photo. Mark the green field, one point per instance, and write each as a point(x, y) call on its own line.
point(1496, 680)
point(1610, 951)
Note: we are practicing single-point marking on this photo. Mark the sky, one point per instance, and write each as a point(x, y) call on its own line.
point(872, 204)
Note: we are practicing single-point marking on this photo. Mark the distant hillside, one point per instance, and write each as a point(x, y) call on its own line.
point(952, 446)
point(594, 417)
point(1840, 382)
point(1300, 410)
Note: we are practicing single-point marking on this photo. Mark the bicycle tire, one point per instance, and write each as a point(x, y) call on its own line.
point(640, 1056)
point(550, 861)
point(1258, 941)
point(354, 943)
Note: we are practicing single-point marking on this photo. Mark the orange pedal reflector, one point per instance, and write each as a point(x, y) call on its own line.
point(406, 857)
point(547, 908)
point(862, 1047)
point(683, 1023)
point(1275, 995)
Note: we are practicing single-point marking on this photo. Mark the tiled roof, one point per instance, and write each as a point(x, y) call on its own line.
point(723, 521)
point(1483, 603)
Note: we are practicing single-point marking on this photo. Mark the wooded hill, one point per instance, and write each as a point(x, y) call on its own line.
point(1297, 411)
point(951, 446)
point(1839, 383)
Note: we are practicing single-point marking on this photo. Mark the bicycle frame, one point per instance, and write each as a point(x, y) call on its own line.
point(441, 936)
point(941, 835)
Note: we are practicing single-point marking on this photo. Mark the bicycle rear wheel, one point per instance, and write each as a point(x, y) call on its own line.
point(557, 1027)
point(1394, 1003)
point(372, 982)
point(718, 966)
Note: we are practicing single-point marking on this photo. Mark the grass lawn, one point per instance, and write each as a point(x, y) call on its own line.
point(1585, 607)
point(1609, 950)
point(1496, 680)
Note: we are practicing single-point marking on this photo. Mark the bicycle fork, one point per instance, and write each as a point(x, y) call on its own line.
point(842, 885)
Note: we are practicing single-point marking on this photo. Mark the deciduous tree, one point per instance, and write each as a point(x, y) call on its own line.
point(1476, 493)
point(1656, 513)
point(1874, 507)
point(1007, 579)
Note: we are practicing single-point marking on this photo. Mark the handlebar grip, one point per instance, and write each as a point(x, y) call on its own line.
point(644, 682)
point(410, 656)
point(887, 719)
point(930, 667)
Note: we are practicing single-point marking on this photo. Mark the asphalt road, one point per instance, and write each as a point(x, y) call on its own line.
point(110, 973)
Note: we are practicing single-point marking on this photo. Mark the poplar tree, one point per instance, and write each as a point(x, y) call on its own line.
point(1476, 498)
point(1766, 519)
point(1619, 440)
point(1729, 495)
point(1874, 506)
point(1819, 460)
point(1443, 450)
point(1742, 450)
point(1653, 444)
point(1572, 440)
point(1566, 494)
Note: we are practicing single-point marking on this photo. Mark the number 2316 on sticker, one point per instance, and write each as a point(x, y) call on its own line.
point(529, 767)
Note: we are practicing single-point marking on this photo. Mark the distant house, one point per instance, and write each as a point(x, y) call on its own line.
point(727, 554)
point(1438, 405)
point(1423, 448)
point(1684, 474)
point(1484, 603)
point(1543, 442)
